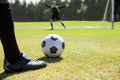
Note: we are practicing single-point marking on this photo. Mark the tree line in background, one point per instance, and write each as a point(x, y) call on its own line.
point(77, 10)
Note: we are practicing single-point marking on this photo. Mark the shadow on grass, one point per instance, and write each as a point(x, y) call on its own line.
point(4, 75)
point(51, 60)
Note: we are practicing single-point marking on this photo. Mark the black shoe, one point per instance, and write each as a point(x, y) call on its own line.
point(51, 29)
point(64, 27)
point(24, 64)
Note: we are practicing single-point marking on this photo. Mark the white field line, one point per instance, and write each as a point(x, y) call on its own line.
point(76, 27)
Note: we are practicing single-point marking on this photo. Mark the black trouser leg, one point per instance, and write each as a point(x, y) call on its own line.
point(7, 35)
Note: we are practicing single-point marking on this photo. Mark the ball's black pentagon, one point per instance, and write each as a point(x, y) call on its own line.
point(43, 44)
point(54, 38)
point(63, 45)
point(53, 50)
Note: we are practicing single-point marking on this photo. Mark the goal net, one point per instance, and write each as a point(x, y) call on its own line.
point(90, 13)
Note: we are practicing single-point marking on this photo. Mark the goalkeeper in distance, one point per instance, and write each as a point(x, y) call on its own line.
point(55, 13)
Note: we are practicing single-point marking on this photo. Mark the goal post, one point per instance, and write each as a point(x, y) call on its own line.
point(112, 12)
point(113, 5)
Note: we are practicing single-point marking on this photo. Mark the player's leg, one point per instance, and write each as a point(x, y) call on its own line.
point(7, 34)
point(58, 18)
point(62, 23)
point(14, 60)
point(51, 23)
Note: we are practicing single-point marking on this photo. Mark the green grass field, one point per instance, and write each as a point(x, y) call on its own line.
point(90, 53)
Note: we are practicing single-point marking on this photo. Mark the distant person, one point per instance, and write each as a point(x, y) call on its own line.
point(55, 13)
point(14, 60)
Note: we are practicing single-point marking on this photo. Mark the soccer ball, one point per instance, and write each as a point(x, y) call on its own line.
point(53, 45)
